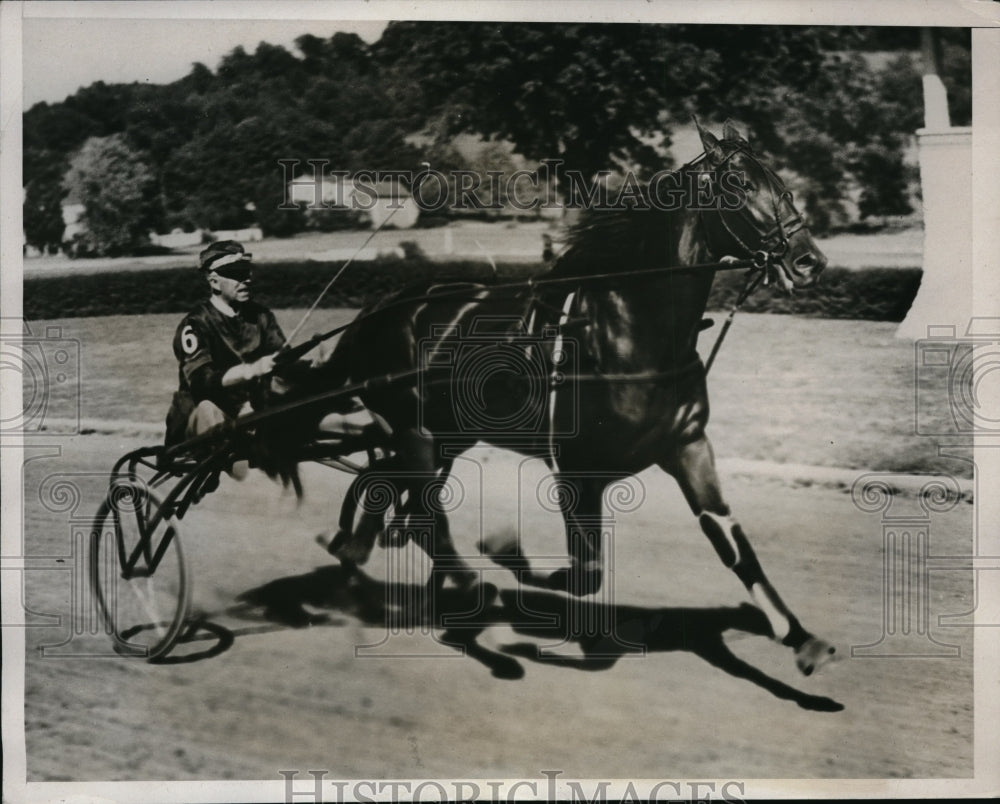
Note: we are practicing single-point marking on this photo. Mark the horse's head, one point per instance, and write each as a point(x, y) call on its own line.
point(754, 213)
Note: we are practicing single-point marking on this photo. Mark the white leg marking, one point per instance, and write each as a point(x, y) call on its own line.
point(779, 623)
point(723, 540)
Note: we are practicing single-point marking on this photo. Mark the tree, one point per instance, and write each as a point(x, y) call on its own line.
point(43, 195)
point(598, 96)
point(824, 103)
point(587, 94)
point(117, 191)
point(592, 95)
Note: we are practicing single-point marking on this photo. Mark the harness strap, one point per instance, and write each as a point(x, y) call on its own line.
point(554, 377)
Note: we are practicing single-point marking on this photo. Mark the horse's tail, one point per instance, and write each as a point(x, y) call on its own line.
point(278, 442)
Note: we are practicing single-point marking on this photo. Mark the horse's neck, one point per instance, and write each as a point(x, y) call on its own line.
point(650, 324)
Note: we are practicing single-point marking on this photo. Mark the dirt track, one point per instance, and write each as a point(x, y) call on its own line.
point(253, 696)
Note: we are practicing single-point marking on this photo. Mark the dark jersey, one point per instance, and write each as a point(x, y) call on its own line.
point(208, 343)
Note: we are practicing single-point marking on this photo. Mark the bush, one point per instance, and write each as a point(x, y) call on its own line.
point(878, 294)
point(874, 294)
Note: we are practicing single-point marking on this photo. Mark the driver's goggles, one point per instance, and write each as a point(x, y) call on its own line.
point(239, 271)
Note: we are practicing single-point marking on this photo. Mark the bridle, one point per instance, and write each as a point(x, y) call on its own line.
point(772, 242)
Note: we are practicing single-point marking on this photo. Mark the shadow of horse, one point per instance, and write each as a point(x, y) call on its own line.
point(598, 633)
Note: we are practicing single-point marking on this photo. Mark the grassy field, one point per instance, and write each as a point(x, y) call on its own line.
point(784, 388)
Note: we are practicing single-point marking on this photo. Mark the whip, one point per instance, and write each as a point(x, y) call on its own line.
point(285, 349)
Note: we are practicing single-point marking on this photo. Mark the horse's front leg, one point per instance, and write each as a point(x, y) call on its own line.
point(581, 501)
point(693, 466)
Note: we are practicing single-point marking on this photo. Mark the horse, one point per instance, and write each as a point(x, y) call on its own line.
point(617, 384)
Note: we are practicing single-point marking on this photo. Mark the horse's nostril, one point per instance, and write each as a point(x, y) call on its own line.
point(809, 262)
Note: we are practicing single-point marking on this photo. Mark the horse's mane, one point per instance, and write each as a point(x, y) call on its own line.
point(634, 236)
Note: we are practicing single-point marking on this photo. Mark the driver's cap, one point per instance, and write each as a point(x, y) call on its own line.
point(224, 252)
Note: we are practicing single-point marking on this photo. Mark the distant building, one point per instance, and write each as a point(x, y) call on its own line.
point(251, 234)
point(72, 215)
point(178, 238)
point(375, 202)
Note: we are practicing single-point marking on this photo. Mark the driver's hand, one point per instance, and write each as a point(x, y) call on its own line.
point(262, 366)
point(321, 355)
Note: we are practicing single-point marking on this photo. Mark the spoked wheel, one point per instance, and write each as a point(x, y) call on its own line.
point(137, 569)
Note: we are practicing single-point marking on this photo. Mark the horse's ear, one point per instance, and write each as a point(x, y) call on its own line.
point(730, 132)
point(709, 142)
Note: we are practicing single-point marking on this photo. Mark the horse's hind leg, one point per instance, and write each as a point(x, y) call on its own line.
point(693, 466)
point(425, 473)
point(372, 492)
point(581, 501)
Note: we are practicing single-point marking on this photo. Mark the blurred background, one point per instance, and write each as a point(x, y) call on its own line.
point(139, 168)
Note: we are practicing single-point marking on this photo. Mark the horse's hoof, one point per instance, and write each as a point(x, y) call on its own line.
point(577, 581)
point(349, 550)
point(323, 540)
point(812, 654)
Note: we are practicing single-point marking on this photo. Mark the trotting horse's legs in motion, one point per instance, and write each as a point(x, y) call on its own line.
point(581, 501)
point(373, 491)
point(693, 466)
point(411, 482)
point(422, 474)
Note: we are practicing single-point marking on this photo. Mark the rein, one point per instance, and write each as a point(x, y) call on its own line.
point(756, 264)
point(753, 282)
point(773, 245)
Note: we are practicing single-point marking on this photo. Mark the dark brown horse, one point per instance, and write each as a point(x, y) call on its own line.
point(598, 376)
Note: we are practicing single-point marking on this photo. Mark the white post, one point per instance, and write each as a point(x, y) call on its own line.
point(945, 294)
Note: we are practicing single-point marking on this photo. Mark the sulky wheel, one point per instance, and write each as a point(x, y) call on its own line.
point(137, 570)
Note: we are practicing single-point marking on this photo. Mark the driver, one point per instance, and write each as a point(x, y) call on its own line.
point(225, 347)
